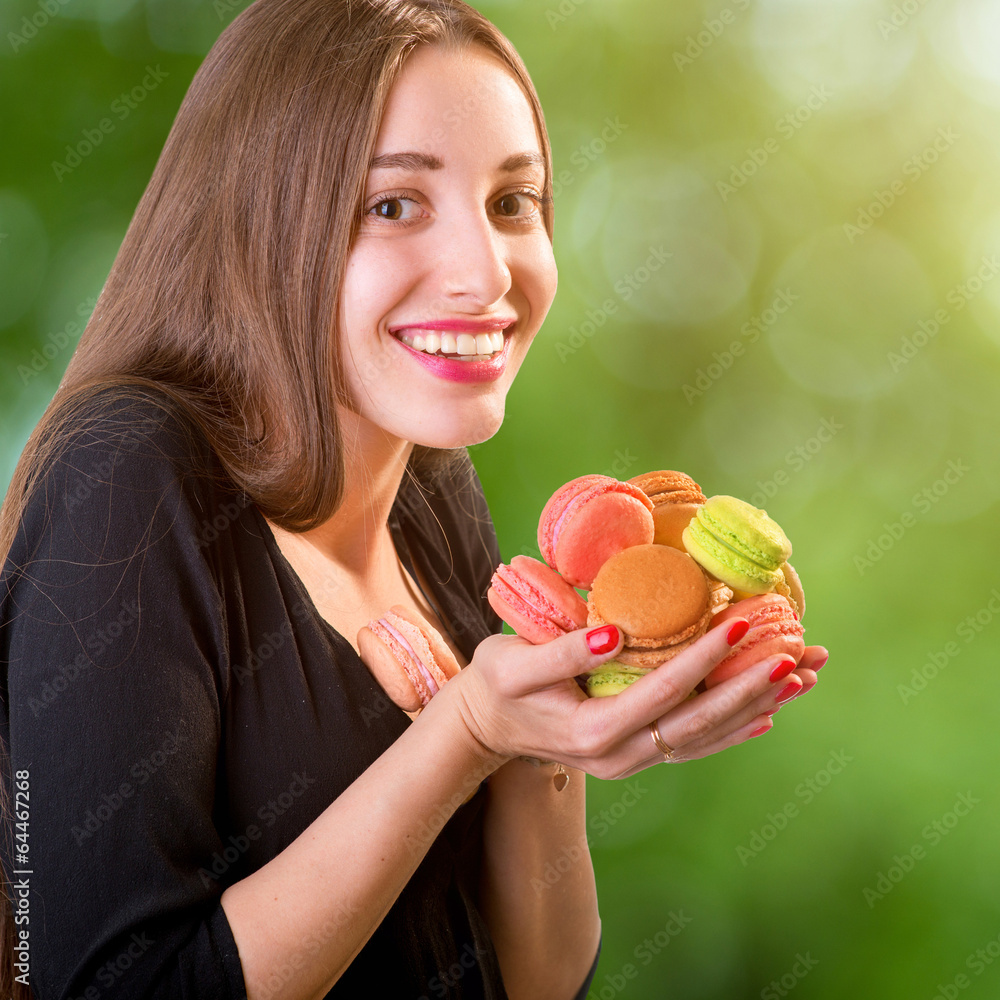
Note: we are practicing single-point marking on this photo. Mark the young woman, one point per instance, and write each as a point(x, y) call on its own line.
point(245, 463)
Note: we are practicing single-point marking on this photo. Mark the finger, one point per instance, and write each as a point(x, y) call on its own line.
point(756, 726)
point(672, 682)
point(528, 667)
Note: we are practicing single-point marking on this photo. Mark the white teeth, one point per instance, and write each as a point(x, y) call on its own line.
point(464, 346)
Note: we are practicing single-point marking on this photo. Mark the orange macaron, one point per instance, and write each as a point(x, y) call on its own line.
point(658, 596)
point(676, 498)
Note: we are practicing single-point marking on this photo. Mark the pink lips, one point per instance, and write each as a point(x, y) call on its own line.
point(450, 369)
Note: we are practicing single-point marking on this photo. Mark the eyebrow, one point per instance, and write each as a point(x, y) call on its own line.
point(424, 161)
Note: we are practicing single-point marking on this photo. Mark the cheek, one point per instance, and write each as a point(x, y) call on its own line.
point(538, 278)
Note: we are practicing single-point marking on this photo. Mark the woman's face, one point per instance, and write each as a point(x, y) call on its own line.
point(452, 260)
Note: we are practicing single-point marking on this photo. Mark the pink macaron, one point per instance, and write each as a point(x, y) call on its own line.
point(774, 628)
point(535, 601)
point(589, 520)
point(407, 656)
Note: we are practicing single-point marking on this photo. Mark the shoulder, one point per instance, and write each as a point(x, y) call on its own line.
point(124, 467)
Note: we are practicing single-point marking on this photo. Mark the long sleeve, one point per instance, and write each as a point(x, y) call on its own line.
point(113, 672)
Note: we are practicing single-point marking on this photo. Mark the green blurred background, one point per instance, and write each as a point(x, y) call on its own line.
point(776, 227)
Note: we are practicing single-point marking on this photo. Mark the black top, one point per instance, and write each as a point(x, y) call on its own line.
point(185, 713)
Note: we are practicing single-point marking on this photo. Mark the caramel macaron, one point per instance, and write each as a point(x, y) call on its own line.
point(658, 596)
point(676, 498)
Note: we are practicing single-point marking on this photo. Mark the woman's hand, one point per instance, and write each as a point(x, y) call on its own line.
point(520, 699)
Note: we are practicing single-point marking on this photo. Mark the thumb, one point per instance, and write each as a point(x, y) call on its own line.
point(571, 654)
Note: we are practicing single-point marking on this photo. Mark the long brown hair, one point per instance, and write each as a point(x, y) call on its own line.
point(225, 290)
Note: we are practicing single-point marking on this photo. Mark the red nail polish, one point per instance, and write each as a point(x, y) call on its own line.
point(788, 691)
point(737, 632)
point(771, 711)
point(822, 663)
point(759, 732)
point(783, 669)
point(602, 640)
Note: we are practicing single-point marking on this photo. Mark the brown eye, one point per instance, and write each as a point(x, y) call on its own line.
point(390, 209)
point(509, 204)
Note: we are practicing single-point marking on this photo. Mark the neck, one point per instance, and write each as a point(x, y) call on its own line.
point(356, 537)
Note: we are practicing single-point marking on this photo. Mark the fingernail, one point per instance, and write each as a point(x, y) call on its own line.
point(783, 669)
point(807, 687)
point(771, 711)
point(822, 663)
point(788, 691)
point(602, 640)
point(759, 732)
point(737, 632)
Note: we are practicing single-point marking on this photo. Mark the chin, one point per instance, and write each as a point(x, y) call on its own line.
point(459, 430)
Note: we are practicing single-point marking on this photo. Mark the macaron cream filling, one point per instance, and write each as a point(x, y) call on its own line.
point(461, 346)
point(414, 659)
point(505, 582)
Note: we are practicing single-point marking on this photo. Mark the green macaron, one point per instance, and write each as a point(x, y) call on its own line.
point(612, 678)
point(738, 544)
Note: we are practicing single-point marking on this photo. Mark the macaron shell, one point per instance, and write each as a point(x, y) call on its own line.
point(795, 594)
point(427, 639)
point(587, 521)
point(652, 592)
point(669, 486)
point(773, 629)
point(669, 522)
point(612, 678)
point(535, 600)
point(385, 666)
point(730, 552)
point(392, 665)
point(676, 498)
point(556, 506)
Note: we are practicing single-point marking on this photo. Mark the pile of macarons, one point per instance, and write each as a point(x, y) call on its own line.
point(653, 556)
point(661, 561)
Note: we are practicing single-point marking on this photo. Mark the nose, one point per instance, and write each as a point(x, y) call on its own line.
point(473, 261)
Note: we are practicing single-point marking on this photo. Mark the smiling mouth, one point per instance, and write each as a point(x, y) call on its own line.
point(452, 345)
